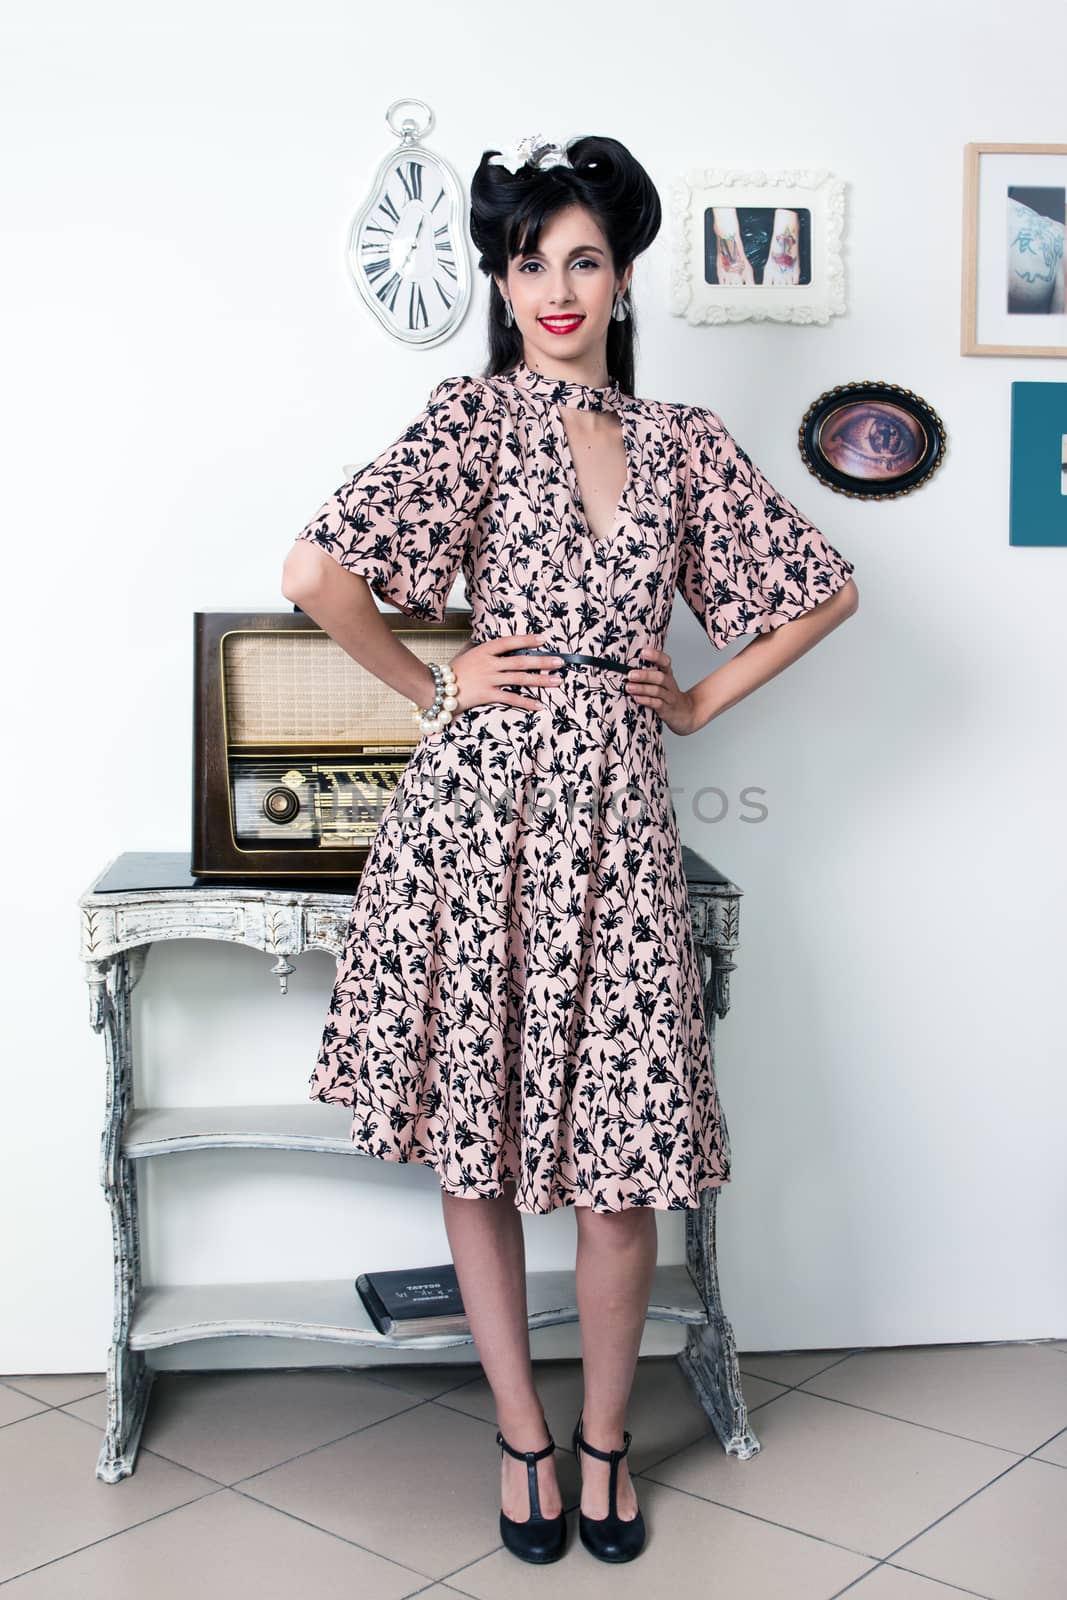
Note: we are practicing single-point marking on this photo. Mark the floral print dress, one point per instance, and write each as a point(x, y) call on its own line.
point(518, 996)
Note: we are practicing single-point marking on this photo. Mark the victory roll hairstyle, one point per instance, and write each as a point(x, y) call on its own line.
point(509, 209)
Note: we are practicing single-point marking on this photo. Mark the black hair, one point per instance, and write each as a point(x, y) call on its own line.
point(509, 209)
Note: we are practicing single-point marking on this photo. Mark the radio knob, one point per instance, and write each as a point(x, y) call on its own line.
point(280, 805)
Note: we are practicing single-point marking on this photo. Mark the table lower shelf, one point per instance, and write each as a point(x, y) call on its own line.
point(165, 1130)
point(331, 1310)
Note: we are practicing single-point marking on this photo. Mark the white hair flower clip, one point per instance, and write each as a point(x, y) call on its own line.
point(535, 150)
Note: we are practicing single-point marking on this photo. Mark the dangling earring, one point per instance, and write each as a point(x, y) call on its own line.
point(509, 315)
point(620, 310)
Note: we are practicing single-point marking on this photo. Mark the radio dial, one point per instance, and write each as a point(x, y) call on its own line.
point(280, 805)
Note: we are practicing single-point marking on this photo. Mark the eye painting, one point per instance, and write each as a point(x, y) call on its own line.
point(871, 440)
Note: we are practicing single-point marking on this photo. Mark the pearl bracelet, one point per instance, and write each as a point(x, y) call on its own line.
point(433, 718)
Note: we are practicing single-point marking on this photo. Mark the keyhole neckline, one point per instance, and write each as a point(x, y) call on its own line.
point(567, 392)
point(571, 474)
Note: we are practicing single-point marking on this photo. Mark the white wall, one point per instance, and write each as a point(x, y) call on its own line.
point(187, 367)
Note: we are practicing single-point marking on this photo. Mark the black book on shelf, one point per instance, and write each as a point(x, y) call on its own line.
point(411, 1301)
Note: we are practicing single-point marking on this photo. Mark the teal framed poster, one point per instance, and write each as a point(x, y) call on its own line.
point(1038, 499)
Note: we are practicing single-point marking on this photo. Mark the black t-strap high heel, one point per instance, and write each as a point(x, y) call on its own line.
point(539, 1538)
point(609, 1538)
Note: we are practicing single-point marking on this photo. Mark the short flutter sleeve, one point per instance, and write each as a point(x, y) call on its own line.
point(749, 560)
point(403, 520)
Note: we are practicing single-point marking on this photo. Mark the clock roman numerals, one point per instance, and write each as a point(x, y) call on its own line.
point(417, 315)
point(413, 182)
point(390, 288)
point(386, 205)
point(446, 260)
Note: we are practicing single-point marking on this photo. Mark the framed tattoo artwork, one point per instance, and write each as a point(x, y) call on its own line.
point(871, 441)
point(1014, 211)
point(1038, 497)
point(759, 246)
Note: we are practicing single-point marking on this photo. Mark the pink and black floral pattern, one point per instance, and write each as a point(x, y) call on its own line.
point(518, 995)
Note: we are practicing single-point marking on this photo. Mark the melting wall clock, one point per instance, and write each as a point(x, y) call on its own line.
point(406, 247)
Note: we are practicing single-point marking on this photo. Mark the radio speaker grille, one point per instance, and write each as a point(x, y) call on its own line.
point(302, 688)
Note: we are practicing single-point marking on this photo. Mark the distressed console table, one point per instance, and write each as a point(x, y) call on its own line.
point(142, 897)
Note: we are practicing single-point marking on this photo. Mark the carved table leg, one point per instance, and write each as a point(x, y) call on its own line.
point(129, 1379)
point(709, 1359)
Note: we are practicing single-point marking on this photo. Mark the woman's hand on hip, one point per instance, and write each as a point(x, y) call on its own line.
point(480, 670)
point(656, 686)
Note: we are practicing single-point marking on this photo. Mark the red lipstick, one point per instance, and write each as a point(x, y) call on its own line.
point(561, 324)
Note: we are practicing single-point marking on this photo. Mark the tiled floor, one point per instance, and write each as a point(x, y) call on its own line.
point(898, 1474)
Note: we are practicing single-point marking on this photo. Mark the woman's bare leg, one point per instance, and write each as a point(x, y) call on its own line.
point(615, 1264)
point(489, 1251)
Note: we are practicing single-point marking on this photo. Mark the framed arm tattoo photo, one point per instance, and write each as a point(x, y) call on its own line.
point(759, 246)
point(1014, 210)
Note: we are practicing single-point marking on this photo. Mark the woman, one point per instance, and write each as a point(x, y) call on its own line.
point(518, 1004)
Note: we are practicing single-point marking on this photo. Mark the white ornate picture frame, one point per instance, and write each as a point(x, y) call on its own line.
point(759, 246)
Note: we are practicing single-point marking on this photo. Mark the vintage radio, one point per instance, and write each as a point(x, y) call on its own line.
point(297, 748)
